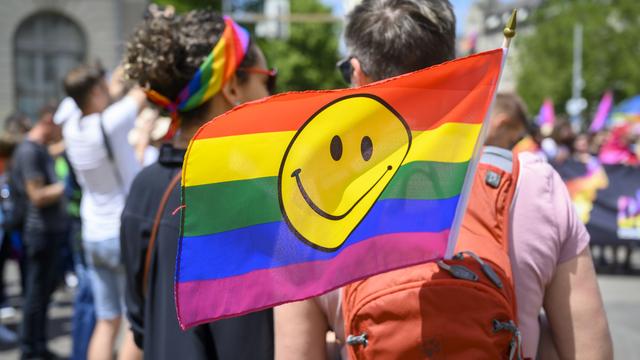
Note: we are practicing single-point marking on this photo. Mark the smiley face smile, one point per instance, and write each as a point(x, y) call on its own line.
point(307, 198)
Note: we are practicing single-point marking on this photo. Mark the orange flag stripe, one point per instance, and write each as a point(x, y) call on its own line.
point(452, 95)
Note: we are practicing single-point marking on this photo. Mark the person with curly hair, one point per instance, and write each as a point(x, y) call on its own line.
point(194, 66)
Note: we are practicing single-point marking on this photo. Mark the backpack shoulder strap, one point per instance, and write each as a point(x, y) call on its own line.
point(500, 158)
point(485, 228)
point(155, 228)
point(504, 160)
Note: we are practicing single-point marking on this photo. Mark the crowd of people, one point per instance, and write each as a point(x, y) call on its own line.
point(91, 186)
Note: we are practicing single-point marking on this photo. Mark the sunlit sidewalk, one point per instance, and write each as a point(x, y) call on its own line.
point(621, 297)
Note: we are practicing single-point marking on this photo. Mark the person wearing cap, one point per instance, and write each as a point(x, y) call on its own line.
point(172, 57)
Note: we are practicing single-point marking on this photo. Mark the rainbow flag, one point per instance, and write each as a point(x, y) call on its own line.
point(528, 144)
point(546, 117)
point(298, 194)
point(583, 189)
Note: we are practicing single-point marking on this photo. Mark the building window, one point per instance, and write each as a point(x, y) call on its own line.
point(47, 46)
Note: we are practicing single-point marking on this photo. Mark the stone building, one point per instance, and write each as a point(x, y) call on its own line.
point(40, 40)
point(483, 27)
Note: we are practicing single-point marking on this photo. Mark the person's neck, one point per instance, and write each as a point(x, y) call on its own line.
point(499, 144)
point(36, 135)
point(183, 137)
point(90, 109)
point(187, 131)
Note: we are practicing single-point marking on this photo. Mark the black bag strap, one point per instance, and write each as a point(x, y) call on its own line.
point(112, 160)
point(156, 227)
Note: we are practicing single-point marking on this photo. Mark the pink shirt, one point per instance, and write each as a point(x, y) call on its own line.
point(546, 231)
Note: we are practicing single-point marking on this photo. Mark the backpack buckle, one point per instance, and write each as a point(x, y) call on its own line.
point(361, 339)
point(493, 179)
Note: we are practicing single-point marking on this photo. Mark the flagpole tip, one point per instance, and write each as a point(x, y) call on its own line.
point(510, 30)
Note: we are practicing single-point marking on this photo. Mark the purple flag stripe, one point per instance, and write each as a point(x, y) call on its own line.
point(203, 301)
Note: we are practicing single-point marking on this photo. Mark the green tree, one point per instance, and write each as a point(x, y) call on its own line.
point(307, 59)
point(186, 5)
point(610, 53)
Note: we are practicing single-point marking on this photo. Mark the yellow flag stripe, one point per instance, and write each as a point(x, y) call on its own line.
point(451, 142)
point(251, 156)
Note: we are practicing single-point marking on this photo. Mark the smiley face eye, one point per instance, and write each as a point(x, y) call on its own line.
point(366, 148)
point(336, 148)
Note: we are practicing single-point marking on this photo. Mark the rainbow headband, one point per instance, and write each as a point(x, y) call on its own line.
point(214, 72)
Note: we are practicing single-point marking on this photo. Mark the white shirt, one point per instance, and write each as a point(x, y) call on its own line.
point(103, 194)
point(66, 110)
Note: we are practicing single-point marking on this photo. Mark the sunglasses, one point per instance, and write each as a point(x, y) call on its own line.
point(272, 76)
point(345, 68)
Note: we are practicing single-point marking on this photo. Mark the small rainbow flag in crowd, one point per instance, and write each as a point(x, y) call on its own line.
point(602, 114)
point(583, 189)
point(527, 144)
point(546, 117)
point(298, 194)
point(627, 112)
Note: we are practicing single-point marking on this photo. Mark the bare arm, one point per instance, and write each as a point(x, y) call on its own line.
point(120, 117)
point(575, 311)
point(300, 331)
point(42, 195)
point(144, 126)
point(116, 83)
point(138, 96)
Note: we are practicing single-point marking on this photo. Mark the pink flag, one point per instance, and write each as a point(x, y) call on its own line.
point(603, 112)
point(546, 117)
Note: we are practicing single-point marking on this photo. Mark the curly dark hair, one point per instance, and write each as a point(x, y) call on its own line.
point(167, 49)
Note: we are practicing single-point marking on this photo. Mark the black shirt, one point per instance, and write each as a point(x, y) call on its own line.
point(31, 161)
point(153, 318)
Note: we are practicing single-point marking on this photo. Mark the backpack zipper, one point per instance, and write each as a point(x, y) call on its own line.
point(458, 271)
point(486, 268)
point(515, 347)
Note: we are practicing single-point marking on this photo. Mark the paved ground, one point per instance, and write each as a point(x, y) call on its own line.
point(622, 301)
point(60, 313)
point(621, 296)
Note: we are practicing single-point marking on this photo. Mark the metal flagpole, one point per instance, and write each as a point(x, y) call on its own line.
point(509, 33)
point(577, 103)
point(510, 29)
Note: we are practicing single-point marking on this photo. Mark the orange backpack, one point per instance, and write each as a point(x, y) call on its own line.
point(464, 308)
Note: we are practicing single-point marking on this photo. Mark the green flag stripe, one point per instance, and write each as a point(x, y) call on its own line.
point(218, 207)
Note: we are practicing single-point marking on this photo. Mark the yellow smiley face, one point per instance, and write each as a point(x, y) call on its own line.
point(337, 165)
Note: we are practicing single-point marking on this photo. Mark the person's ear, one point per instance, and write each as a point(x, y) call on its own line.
point(500, 121)
point(358, 77)
point(231, 92)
